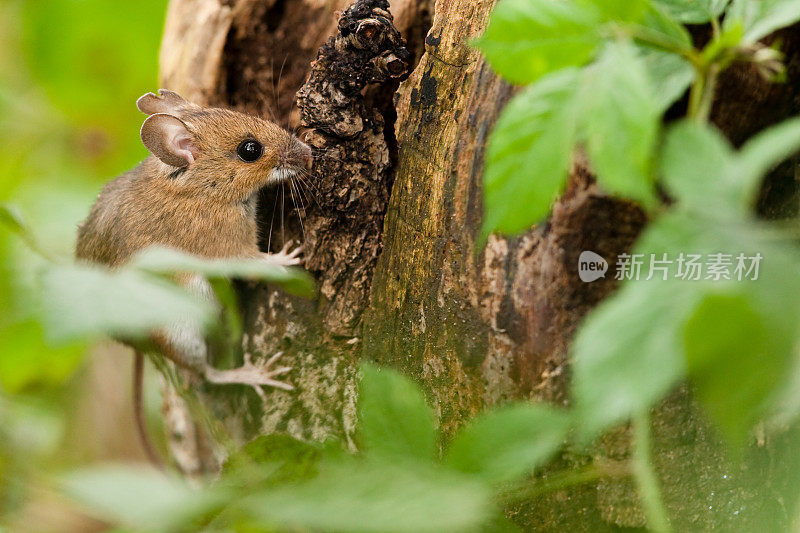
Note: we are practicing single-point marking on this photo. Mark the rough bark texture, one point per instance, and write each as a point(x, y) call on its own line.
point(390, 222)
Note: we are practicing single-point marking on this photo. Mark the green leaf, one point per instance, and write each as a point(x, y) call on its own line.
point(763, 152)
point(84, 301)
point(395, 420)
point(167, 261)
point(660, 24)
point(670, 76)
point(11, 217)
point(526, 39)
point(293, 460)
point(622, 119)
point(508, 442)
point(529, 153)
point(694, 11)
point(619, 11)
point(377, 497)
point(694, 165)
point(622, 363)
point(775, 297)
point(762, 17)
point(142, 498)
point(28, 360)
point(735, 361)
point(701, 169)
point(629, 353)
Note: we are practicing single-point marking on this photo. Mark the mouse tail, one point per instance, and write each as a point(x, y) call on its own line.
point(138, 411)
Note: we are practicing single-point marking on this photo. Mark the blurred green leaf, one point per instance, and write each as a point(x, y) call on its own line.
point(167, 261)
point(759, 18)
point(293, 459)
point(11, 217)
point(629, 353)
point(694, 11)
point(526, 39)
point(381, 497)
point(30, 426)
point(82, 301)
point(735, 361)
point(662, 27)
point(140, 497)
point(508, 442)
point(670, 74)
point(631, 350)
point(529, 153)
point(622, 121)
point(762, 153)
point(395, 420)
point(110, 49)
point(694, 165)
point(28, 360)
point(700, 167)
point(617, 11)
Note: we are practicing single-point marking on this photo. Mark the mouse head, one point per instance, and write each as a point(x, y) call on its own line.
point(228, 152)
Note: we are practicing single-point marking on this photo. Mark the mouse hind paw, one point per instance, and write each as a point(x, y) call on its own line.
point(256, 375)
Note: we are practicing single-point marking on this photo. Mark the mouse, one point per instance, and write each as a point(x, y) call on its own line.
point(196, 192)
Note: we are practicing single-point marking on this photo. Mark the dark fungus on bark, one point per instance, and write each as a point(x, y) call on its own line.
point(367, 50)
point(343, 103)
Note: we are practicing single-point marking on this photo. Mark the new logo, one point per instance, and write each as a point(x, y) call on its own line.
point(591, 266)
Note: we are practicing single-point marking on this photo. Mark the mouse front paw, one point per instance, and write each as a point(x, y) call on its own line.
point(256, 375)
point(286, 257)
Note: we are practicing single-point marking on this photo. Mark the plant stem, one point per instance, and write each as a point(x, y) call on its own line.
point(715, 29)
point(10, 219)
point(645, 476)
point(570, 478)
point(659, 41)
point(701, 96)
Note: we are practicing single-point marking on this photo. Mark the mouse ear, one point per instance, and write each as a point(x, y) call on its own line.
point(166, 102)
point(169, 139)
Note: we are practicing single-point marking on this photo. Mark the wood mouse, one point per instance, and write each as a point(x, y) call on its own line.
point(197, 192)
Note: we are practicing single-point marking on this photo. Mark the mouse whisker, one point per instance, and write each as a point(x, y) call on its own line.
point(283, 201)
point(271, 221)
point(276, 88)
point(296, 188)
point(297, 210)
point(280, 73)
point(272, 82)
point(302, 189)
point(305, 195)
point(307, 189)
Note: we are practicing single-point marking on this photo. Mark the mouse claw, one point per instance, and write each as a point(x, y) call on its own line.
point(256, 375)
point(285, 257)
point(287, 246)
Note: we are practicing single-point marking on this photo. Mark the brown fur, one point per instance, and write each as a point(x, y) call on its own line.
point(206, 208)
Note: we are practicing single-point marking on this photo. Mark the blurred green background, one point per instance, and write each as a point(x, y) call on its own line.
point(70, 73)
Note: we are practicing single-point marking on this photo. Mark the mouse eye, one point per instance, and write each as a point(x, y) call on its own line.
point(249, 150)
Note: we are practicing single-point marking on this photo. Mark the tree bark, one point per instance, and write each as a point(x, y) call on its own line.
point(390, 224)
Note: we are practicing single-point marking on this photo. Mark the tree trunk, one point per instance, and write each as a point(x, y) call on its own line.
point(390, 224)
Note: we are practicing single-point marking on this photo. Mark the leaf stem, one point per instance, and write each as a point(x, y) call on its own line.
point(599, 469)
point(715, 29)
point(645, 476)
point(11, 219)
point(659, 41)
point(701, 96)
